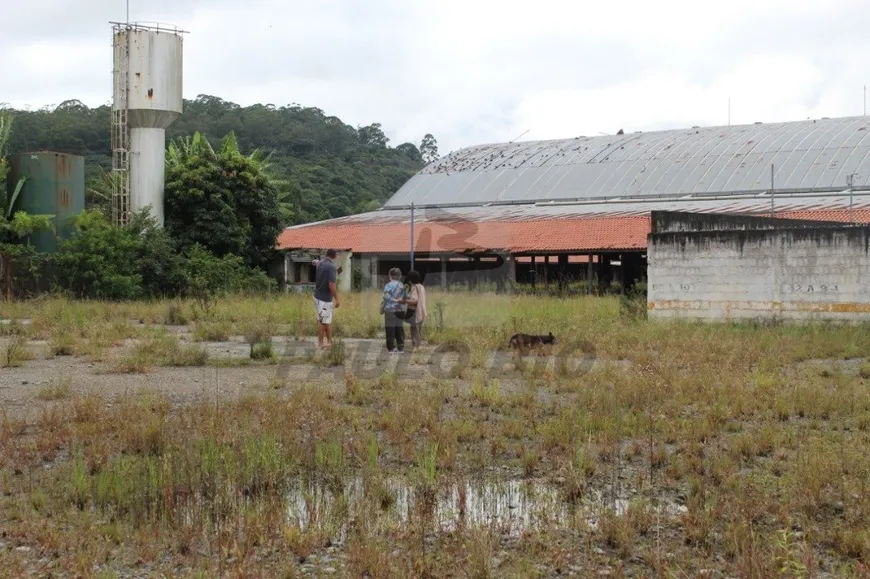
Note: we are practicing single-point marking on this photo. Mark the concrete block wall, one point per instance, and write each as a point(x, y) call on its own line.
point(765, 274)
point(673, 221)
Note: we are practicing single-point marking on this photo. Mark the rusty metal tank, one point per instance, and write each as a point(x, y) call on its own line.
point(55, 185)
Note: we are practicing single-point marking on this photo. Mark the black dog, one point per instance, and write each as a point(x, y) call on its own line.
point(519, 342)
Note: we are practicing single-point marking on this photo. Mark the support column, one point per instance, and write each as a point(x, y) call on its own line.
point(589, 273)
point(344, 259)
point(622, 276)
point(605, 273)
point(547, 271)
point(534, 273)
point(563, 270)
point(444, 274)
point(373, 270)
point(511, 269)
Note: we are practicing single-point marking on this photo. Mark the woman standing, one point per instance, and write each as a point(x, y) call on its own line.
point(416, 302)
point(391, 307)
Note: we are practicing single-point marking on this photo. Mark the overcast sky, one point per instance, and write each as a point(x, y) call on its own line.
point(471, 71)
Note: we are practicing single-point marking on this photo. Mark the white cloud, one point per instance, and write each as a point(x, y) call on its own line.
point(667, 98)
point(473, 71)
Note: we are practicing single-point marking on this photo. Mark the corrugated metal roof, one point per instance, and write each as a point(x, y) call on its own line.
point(549, 211)
point(542, 228)
point(813, 155)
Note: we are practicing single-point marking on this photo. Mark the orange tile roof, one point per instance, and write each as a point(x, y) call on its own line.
point(458, 236)
point(557, 234)
point(855, 216)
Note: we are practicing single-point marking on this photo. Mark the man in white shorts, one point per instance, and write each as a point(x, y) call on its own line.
point(325, 297)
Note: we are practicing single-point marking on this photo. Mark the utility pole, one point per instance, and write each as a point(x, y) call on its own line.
point(849, 181)
point(412, 235)
point(771, 188)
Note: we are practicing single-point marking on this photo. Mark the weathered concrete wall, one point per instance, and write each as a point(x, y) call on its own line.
point(794, 273)
point(673, 221)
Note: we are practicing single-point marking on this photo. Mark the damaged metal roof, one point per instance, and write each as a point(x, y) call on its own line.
point(753, 204)
point(807, 156)
point(545, 227)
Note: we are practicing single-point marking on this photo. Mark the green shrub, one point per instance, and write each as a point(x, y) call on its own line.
point(207, 276)
point(101, 261)
point(104, 261)
point(175, 315)
point(222, 200)
point(262, 350)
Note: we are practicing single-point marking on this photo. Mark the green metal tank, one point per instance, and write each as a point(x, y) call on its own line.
point(55, 186)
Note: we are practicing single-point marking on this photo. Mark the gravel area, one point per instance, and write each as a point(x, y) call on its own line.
point(230, 373)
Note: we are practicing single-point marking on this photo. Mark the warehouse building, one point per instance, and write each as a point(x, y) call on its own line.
point(579, 209)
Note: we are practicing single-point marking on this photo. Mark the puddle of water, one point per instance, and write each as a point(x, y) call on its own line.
point(21, 321)
point(510, 507)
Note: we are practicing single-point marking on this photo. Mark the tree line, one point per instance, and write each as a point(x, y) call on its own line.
point(224, 205)
point(225, 214)
point(328, 168)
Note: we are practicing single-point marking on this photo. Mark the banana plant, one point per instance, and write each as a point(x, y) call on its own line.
point(5, 133)
point(8, 207)
point(20, 223)
point(183, 149)
point(15, 224)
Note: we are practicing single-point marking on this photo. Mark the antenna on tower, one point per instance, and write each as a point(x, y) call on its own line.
point(729, 111)
point(521, 134)
point(128, 11)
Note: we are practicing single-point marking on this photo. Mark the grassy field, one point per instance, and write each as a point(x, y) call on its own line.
point(685, 450)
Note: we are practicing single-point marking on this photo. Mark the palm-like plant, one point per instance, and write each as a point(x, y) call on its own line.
point(184, 149)
point(19, 224)
point(5, 134)
point(101, 189)
point(288, 193)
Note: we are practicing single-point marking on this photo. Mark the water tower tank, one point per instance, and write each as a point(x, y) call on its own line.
point(147, 99)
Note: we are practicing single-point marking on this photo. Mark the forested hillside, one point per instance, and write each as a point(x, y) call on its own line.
point(331, 168)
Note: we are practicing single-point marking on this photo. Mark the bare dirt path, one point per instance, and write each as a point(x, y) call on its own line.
point(230, 373)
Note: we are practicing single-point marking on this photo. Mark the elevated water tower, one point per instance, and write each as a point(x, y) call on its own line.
point(147, 98)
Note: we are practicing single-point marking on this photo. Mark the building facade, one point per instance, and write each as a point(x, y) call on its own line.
point(578, 210)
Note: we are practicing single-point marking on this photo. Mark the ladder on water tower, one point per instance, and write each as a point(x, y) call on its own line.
point(121, 137)
point(120, 168)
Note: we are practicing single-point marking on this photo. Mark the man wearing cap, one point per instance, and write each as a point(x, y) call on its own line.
point(325, 297)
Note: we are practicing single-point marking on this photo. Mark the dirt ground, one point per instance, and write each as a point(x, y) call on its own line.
point(230, 373)
point(714, 460)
